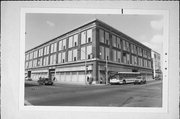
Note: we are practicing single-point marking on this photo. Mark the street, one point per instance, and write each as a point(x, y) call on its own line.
point(128, 95)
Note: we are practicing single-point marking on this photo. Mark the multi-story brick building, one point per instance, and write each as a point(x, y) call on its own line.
point(93, 45)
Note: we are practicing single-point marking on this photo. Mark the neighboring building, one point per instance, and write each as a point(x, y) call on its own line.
point(66, 56)
point(156, 57)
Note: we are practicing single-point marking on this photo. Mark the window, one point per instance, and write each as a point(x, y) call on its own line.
point(75, 42)
point(64, 44)
point(26, 65)
point(46, 50)
point(83, 52)
point(128, 59)
point(53, 59)
point(124, 45)
point(46, 61)
point(39, 62)
point(101, 52)
point(124, 58)
point(132, 59)
point(135, 49)
point(30, 64)
point(27, 56)
point(135, 60)
point(89, 35)
point(107, 53)
point(35, 54)
point(118, 43)
point(40, 52)
point(31, 55)
point(60, 57)
point(60, 45)
point(63, 57)
point(89, 52)
point(132, 48)
point(34, 63)
point(53, 47)
point(74, 54)
point(127, 46)
point(107, 38)
point(114, 41)
point(83, 37)
point(114, 55)
point(70, 41)
point(118, 56)
point(69, 55)
point(101, 35)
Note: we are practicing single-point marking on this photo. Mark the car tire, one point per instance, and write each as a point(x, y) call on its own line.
point(124, 81)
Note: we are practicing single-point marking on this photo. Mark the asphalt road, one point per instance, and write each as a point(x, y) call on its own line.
point(146, 95)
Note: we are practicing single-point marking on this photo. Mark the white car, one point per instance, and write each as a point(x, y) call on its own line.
point(140, 80)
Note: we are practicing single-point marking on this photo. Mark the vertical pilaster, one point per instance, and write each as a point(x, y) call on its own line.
point(67, 45)
point(79, 47)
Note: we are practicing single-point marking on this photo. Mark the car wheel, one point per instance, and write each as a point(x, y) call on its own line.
point(124, 82)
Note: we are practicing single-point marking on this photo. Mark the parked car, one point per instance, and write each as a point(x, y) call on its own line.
point(157, 78)
point(45, 81)
point(140, 80)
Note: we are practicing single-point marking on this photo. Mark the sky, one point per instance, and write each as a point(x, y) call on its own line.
point(147, 29)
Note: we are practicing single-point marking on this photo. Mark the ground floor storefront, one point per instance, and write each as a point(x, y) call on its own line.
point(91, 72)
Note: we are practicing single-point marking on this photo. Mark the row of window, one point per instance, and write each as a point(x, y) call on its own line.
point(86, 53)
point(117, 56)
point(104, 37)
point(86, 37)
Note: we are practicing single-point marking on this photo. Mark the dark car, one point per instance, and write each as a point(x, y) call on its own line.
point(45, 81)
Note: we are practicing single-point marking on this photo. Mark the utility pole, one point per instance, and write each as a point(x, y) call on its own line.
point(106, 70)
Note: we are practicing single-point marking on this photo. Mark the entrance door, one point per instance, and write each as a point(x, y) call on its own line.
point(51, 73)
point(29, 74)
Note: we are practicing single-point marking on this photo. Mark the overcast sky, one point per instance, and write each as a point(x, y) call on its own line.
point(147, 29)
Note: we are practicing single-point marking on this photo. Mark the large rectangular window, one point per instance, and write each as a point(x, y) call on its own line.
point(83, 52)
point(60, 57)
point(46, 50)
point(89, 52)
point(34, 63)
point(64, 44)
point(107, 53)
point(101, 35)
point(128, 59)
point(27, 56)
point(46, 61)
point(39, 62)
point(107, 38)
point(63, 57)
point(60, 45)
point(40, 52)
point(83, 37)
point(26, 65)
point(101, 52)
point(118, 56)
point(75, 41)
point(118, 43)
point(132, 48)
point(53, 47)
point(89, 35)
point(53, 59)
point(124, 58)
point(114, 43)
point(114, 56)
point(35, 54)
point(124, 45)
point(74, 54)
point(31, 55)
point(30, 64)
point(70, 41)
point(69, 55)
point(135, 60)
point(127, 46)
